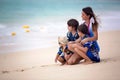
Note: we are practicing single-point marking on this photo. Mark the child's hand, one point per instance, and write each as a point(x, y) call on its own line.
point(55, 60)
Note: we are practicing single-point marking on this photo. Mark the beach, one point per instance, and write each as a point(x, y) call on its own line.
point(38, 64)
point(28, 39)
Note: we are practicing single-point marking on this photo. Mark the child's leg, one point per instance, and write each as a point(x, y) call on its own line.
point(67, 56)
point(83, 55)
point(61, 59)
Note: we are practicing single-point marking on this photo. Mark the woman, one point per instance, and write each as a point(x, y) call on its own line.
point(90, 21)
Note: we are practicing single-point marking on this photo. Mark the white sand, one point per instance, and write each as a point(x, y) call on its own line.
point(39, 64)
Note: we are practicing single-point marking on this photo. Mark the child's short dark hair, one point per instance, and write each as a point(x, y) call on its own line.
point(83, 28)
point(74, 23)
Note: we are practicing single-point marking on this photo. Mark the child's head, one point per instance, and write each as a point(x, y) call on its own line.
point(62, 41)
point(72, 24)
point(82, 29)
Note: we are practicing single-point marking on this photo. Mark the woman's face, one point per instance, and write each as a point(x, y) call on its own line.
point(84, 16)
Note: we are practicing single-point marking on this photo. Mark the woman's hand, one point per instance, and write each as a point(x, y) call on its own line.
point(71, 42)
point(84, 41)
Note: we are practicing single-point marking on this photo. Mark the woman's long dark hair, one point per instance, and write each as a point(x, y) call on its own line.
point(89, 11)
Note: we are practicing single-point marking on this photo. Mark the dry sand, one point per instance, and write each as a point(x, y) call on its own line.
point(39, 64)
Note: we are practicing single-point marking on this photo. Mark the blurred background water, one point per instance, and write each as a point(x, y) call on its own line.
point(47, 20)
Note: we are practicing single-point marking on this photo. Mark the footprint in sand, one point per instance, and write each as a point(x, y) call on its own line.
point(21, 70)
point(4, 72)
point(114, 59)
point(48, 65)
point(25, 69)
point(44, 65)
point(18, 70)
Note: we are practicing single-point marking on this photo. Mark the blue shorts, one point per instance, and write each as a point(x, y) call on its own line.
point(93, 56)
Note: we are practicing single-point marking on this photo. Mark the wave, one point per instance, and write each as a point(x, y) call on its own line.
point(2, 26)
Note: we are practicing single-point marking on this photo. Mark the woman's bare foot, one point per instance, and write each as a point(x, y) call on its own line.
point(63, 63)
point(87, 62)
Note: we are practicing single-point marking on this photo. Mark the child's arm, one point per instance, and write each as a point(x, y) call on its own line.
point(58, 54)
point(94, 38)
point(78, 40)
point(56, 58)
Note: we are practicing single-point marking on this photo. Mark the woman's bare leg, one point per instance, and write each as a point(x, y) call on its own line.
point(83, 55)
point(74, 59)
point(71, 46)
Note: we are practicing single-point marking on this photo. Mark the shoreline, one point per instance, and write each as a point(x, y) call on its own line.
point(6, 49)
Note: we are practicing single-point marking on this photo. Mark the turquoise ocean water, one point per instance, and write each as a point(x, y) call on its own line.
point(47, 20)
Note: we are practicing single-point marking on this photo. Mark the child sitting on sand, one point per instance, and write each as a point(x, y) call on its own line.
point(72, 35)
point(64, 54)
